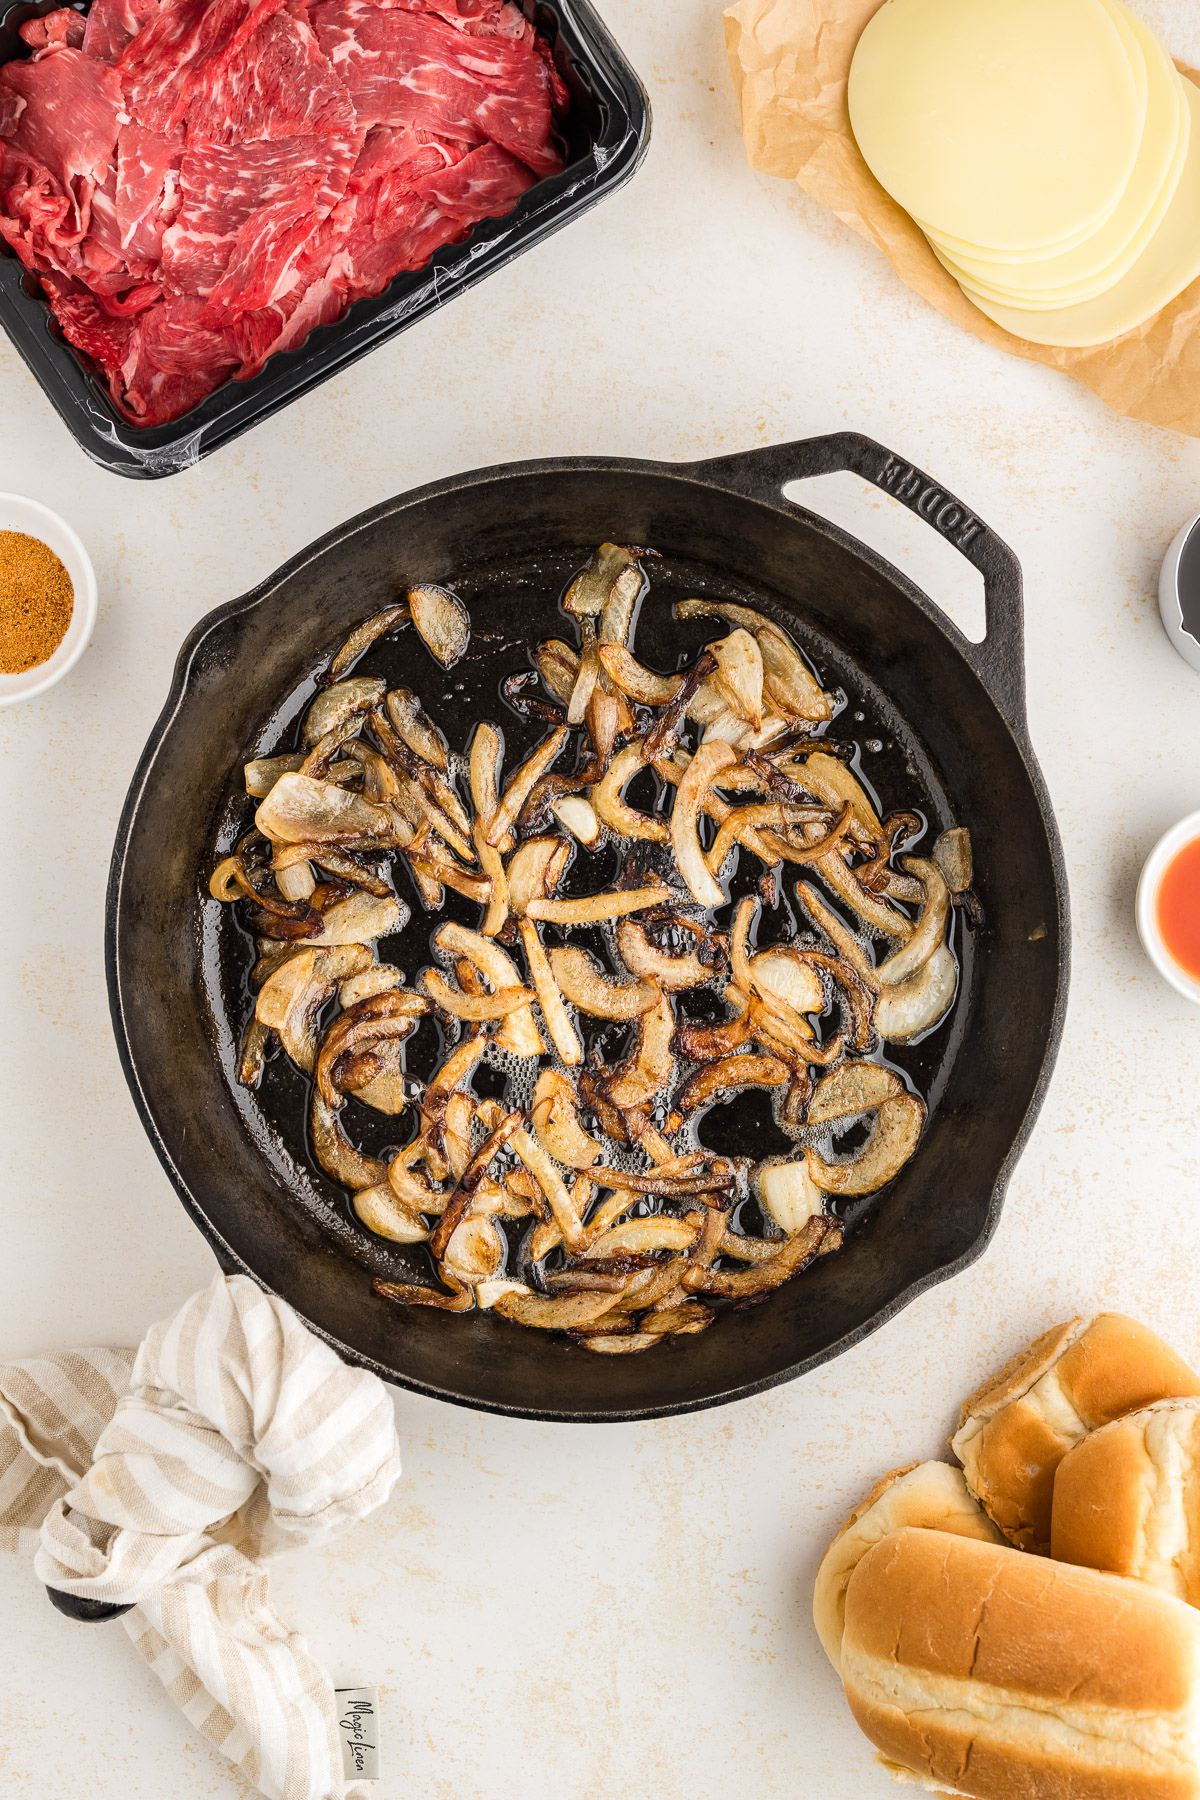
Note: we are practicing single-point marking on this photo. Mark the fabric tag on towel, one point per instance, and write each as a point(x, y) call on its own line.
point(358, 1722)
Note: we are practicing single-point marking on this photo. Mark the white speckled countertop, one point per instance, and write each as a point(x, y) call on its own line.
point(618, 1610)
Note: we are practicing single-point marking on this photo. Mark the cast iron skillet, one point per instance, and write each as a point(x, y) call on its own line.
point(953, 714)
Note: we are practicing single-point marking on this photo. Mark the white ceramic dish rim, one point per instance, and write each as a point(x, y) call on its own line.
point(19, 513)
point(1186, 831)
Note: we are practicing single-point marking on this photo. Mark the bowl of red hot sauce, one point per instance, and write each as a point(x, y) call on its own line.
point(1168, 906)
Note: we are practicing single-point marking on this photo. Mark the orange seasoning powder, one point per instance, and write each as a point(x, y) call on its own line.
point(1179, 908)
point(36, 602)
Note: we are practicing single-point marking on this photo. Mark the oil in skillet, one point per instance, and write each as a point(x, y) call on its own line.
point(508, 620)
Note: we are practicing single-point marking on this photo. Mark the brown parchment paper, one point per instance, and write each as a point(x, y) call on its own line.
point(790, 61)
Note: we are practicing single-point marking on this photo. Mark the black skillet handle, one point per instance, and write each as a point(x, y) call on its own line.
point(999, 659)
point(84, 1612)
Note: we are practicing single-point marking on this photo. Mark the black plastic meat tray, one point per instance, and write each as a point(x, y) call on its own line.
point(608, 130)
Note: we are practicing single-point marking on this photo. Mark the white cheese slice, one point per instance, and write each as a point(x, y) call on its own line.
point(960, 110)
point(1102, 259)
point(1170, 263)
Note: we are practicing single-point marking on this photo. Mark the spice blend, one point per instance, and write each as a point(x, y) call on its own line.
point(36, 602)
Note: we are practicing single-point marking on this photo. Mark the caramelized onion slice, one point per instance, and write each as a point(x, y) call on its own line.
point(554, 1013)
point(652, 1064)
point(897, 1130)
point(589, 988)
point(336, 1155)
point(497, 1005)
point(518, 789)
point(385, 1215)
point(698, 777)
point(490, 958)
point(610, 806)
point(783, 973)
point(738, 677)
point(262, 772)
point(412, 1293)
point(663, 968)
point(591, 909)
point(291, 998)
point(788, 681)
point(337, 708)
point(634, 680)
point(954, 857)
point(816, 1238)
point(299, 810)
point(535, 869)
point(716, 1081)
point(558, 1313)
point(788, 1194)
point(366, 634)
point(414, 727)
point(910, 1007)
point(930, 932)
point(556, 1124)
point(558, 666)
point(361, 918)
point(442, 621)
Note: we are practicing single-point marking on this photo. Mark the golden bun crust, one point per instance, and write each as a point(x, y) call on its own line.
point(1016, 1429)
point(932, 1494)
point(1002, 1676)
point(1127, 1499)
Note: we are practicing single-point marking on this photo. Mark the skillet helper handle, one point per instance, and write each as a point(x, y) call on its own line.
point(999, 659)
point(83, 1611)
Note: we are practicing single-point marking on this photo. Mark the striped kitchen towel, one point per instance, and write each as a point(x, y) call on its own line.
point(164, 1478)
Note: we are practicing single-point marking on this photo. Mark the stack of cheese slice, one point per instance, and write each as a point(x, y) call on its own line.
point(1048, 149)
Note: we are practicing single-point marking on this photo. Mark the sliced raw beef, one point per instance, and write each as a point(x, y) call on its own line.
point(112, 24)
point(68, 119)
point(280, 87)
point(62, 27)
point(199, 184)
point(412, 68)
point(147, 189)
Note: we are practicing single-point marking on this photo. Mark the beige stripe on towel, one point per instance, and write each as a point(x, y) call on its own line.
point(163, 1479)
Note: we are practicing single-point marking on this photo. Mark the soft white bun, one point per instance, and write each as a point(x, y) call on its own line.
point(1127, 1499)
point(932, 1494)
point(1002, 1676)
point(1016, 1429)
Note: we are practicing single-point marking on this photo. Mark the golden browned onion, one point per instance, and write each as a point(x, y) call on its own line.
point(718, 1080)
point(634, 680)
point(385, 1215)
point(847, 1093)
point(704, 767)
point(592, 990)
point(609, 803)
point(558, 666)
point(415, 728)
point(554, 1013)
point(366, 634)
point(591, 909)
point(738, 677)
point(815, 1238)
point(651, 1065)
point(339, 705)
point(906, 1009)
point(555, 1120)
point(299, 810)
point(664, 968)
point(442, 622)
point(290, 1000)
point(534, 870)
point(790, 683)
point(520, 784)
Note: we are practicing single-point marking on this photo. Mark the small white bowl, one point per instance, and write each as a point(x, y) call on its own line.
point(1167, 847)
point(1170, 610)
point(30, 516)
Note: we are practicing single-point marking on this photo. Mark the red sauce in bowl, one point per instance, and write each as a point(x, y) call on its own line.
point(1178, 907)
